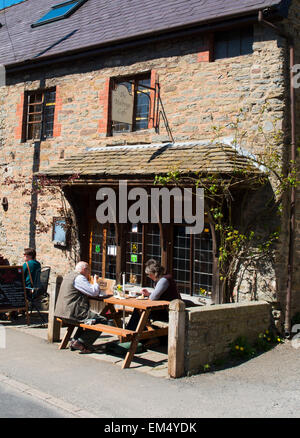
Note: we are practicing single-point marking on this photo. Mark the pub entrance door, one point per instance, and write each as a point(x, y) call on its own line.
point(142, 242)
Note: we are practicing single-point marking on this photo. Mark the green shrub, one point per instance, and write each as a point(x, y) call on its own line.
point(241, 348)
point(267, 340)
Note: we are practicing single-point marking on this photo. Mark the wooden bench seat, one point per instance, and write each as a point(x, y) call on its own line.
point(66, 322)
point(160, 324)
point(123, 334)
point(118, 331)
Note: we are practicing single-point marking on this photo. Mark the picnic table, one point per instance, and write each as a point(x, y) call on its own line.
point(144, 330)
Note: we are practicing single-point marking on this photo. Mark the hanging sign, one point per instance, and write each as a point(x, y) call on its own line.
point(97, 249)
point(122, 105)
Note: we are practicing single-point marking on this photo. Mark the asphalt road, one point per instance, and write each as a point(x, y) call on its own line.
point(71, 384)
point(17, 404)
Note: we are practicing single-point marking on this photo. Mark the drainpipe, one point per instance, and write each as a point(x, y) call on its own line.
point(289, 38)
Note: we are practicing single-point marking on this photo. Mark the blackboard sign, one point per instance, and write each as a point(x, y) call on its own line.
point(12, 289)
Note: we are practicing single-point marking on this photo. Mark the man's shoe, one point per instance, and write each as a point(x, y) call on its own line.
point(77, 345)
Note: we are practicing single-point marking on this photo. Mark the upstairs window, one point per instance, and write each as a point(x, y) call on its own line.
point(39, 114)
point(7, 3)
point(60, 11)
point(232, 43)
point(130, 106)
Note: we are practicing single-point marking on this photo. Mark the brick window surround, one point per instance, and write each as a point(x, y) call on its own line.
point(19, 117)
point(206, 51)
point(58, 107)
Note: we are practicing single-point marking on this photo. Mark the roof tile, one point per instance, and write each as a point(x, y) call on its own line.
point(103, 22)
point(135, 160)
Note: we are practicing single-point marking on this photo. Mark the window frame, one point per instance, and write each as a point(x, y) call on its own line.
point(13, 3)
point(134, 79)
point(228, 32)
point(101, 262)
point(190, 285)
point(43, 121)
point(76, 6)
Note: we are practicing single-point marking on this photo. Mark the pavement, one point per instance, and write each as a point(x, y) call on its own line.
point(72, 385)
point(153, 360)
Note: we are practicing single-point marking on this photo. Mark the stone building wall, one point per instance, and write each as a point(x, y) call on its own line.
point(267, 287)
point(196, 94)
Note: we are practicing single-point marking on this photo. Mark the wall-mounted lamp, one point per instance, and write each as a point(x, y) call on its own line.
point(4, 203)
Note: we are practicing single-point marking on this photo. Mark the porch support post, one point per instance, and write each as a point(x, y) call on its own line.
point(176, 338)
point(121, 251)
point(53, 325)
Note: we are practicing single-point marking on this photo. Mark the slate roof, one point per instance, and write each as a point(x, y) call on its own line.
point(104, 22)
point(150, 160)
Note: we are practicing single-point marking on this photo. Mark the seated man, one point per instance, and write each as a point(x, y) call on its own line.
point(165, 290)
point(73, 304)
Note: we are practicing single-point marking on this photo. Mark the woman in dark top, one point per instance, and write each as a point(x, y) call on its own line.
point(165, 287)
point(165, 290)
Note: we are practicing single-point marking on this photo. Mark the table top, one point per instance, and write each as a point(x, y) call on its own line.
point(137, 303)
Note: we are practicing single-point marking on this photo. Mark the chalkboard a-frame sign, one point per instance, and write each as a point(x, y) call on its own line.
point(12, 289)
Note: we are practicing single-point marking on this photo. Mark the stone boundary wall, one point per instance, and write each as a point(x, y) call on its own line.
point(210, 329)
